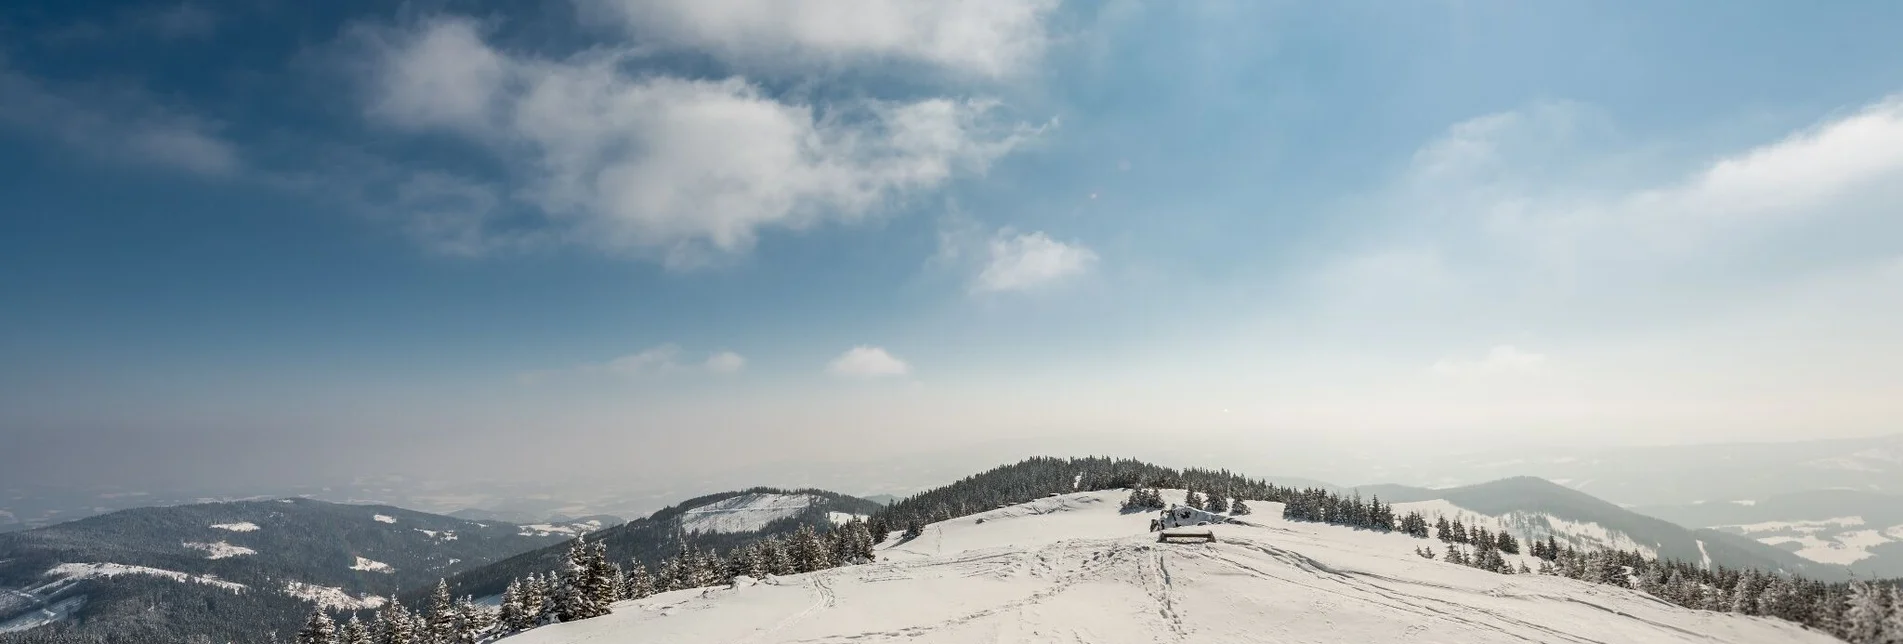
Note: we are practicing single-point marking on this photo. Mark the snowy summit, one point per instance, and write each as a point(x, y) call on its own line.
point(1076, 568)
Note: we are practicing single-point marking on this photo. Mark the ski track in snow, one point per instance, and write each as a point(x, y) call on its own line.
point(1074, 569)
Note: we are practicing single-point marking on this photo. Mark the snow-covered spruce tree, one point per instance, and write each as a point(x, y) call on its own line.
point(1864, 613)
point(318, 629)
point(1192, 499)
point(1717, 599)
point(1779, 599)
point(354, 632)
point(667, 575)
point(1136, 500)
point(1443, 531)
point(579, 586)
point(1238, 507)
point(913, 530)
point(472, 622)
point(1744, 595)
point(743, 561)
point(879, 528)
point(778, 557)
point(394, 624)
point(1217, 503)
point(441, 616)
point(603, 578)
point(808, 554)
point(1506, 543)
point(509, 609)
point(638, 583)
point(1892, 629)
point(537, 605)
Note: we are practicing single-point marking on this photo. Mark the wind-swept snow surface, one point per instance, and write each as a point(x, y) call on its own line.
point(1074, 569)
point(744, 513)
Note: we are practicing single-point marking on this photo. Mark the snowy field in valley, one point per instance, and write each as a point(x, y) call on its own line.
point(368, 565)
point(220, 549)
point(744, 513)
point(1075, 569)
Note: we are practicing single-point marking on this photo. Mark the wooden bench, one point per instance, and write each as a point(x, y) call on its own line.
point(1203, 535)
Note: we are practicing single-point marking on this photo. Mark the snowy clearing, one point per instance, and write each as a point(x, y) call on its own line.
point(77, 571)
point(838, 518)
point(242, 526)
point(384, 518)
point(444, 535)
point(372, 566)
point(744, 513)
point(1074, 569)
point(220, 550)
point(331, 597)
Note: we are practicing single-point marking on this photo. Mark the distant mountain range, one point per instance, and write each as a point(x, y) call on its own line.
point(233, 571)
point(1535, 507)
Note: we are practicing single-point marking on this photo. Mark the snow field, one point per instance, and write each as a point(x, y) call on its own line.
point(1074, 569)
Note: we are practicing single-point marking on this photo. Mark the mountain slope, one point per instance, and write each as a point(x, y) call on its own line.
point(1527, 506)
point(715, 521)
point(261, 564)
point(1073, 568)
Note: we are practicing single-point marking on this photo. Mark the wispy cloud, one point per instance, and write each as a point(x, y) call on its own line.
point(115, 124)
point(867, 362)
point(685, 171)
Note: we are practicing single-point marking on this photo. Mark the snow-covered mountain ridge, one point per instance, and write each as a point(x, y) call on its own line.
point(1074, 568)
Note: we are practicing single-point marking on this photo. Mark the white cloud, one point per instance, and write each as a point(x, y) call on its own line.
point(725, 362)
point(978, 37)
point(681, 170)
point(867, 362)
point(1502, 359)
point(1026, 261)
point(115, 124)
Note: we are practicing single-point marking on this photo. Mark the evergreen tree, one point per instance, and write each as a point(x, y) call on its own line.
point(1506, 543)
point(1218, 503)
point(583, 583)
point(1460, 533)
point(395, 625)
point(509, 612)
point(1443, 530)
point(1892, 630)
point(471, 622)
point(441, 618)
point(808, 554)
point(638, 583)
point(1239, 508)
point(536, 604)
point(1192, 499)
point(318, 629)
point(779, 557)
point(1779, 598)
point(1744, 595)
point(1864, 613)
point(354, 632)
point(913, 530)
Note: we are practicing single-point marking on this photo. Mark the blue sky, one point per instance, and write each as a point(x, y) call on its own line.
point(809, 229)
